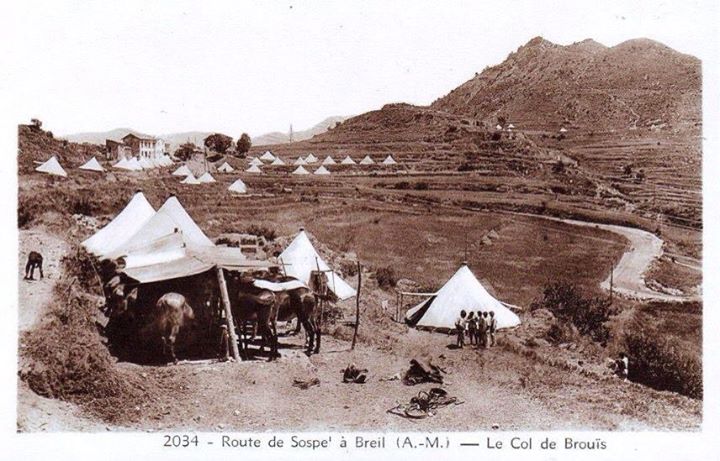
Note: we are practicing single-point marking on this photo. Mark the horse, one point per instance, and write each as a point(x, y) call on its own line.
point(170, 314)
point(250, 303)
point(35, 260)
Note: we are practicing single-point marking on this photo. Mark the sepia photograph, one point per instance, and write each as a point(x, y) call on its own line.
point(357, 217)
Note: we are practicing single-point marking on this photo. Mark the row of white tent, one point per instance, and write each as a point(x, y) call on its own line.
point(165, 244)
point(310, 159)
point(238, 186)
point(52, 166)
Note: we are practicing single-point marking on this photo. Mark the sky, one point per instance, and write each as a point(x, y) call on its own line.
point(162, 67)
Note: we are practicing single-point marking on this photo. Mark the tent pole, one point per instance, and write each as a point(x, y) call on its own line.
point(357, 306)
point(322, 302)
point(228, 313)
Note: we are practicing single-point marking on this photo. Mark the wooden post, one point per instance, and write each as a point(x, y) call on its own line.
point(228, 313)
point(612, 269)
point(357, 306)
point(322, 301)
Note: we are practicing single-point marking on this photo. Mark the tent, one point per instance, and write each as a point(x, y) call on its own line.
point(134, 165)
point(563, 130)
point(169, 219)
point(145, 163)
point(167, 160)
point(300, 258)
point(92, 165)
point(462, 292)
point(225, 168)
point(256, 162)
point(311, 158)
point(253, 169)
point(267, 156)
point(498, 127)
point(134, 216)
point(322, 170)
point(389, 160)
point(277, 161)
point(206, 178)
point(182, 171)
point(347, 161)
point(300, 161)
point(190, 179)
point(328, 161)
point(300, 170)
point(52, 167)
point(367, 161)
point(122, 165)
point(238, 186)
point(511, 126)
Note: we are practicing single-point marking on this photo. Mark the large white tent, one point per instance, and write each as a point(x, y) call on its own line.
point(225, 168)
point(462, 292)
point(277, 161)
point(182, 171)
point(300, 161)
point(300, 170)
point(300, 259)
point(133, 217)
point(238, 186)
point(253, 169)
point(367, 161)
point(389, 160)
point(92, 165)
point(190, 179)
point(206, 178)
point(322, 170)
point(169, 219)
point(328, 161)
point(52, 167)
point(311, 158)
point(347, 161)
point(267, 156)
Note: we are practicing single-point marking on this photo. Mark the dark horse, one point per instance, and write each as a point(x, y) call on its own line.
point(35, 260)
point(170, 314)
point(250, 303)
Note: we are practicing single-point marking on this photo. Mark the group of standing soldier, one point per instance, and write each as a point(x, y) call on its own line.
point(480, 328)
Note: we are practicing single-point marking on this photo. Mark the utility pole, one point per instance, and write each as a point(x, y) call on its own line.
point(291, 133)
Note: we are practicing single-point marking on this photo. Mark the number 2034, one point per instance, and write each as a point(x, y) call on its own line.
point(180, 441)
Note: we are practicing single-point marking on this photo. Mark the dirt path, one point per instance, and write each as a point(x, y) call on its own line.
point(35, 294)
point(36, 413)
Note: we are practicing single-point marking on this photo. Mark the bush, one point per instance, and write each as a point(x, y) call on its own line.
point(568, 304)
point(466, 166)
point(82, 205)
point(402, 185)
point(421, 186)
point(255, 229)
point(558, 167)
point(386, 277)
point(661, 363)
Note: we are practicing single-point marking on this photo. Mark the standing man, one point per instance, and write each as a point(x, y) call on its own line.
point(460, 327)
point(472, 327)
point(224, 352)
point(482, 330)
point(492, 327)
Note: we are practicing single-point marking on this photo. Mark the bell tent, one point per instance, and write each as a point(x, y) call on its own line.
point(462, 292)
point(300, 259)
point(225, 168)
point(52, 167)
point(277, 161)
point(134, 216)
point(311, 158)
point(322, 170)
point(190, 179)
point(253, 169)
point(300, 161)
point(267, 156)
point(238, 187)
point(92, 165)
point(389, 160)
point(206, 178)
point(300, 170)
point(328, 161)
point(367, 161)
point(256, 162)
point(182, 171)
point(347, 161)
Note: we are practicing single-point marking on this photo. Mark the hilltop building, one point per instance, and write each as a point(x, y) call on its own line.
point(132, 145)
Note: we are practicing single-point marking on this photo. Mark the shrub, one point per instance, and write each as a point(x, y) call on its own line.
point(662, 363)
point(421, 186)
point(466, 166)
point(558, 167)
point(402, 185)
point(386, 277)
point(568, 304)
point(82, 205)
point(255, 229)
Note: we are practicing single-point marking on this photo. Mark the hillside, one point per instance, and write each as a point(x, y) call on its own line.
point(36, 145)
point(584, 85)
point(99, 137)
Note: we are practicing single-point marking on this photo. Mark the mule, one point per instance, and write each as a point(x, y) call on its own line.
point(170, 314)
point(34, 261)
point(250, 303)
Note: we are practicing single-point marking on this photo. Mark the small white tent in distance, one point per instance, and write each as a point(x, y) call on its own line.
point(190, 179)
point(225, 168)
point(238, 187)
point(206, 178)
point(182, 171)
point(92, 165)
point(300, 259)
point(300, 161)
point(300, 170)
point(311, 158)
point(367, 161)
point(255, 162)
point(389, 160)
point(52, 167)
point(462, 292)
point(328, 161)
point(267, 156)
point(277, 161)
point(322, 171)
point(254, 169)
point(347, 161)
